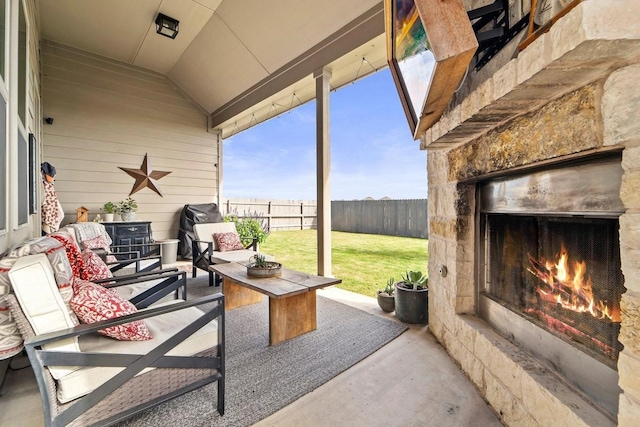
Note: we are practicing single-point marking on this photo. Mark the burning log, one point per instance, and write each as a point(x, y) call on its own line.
point(588, 335)
point(564, 289)
point(572, 291)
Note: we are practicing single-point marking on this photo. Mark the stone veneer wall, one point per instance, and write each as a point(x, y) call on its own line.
point(520, 389)
point(620, 104)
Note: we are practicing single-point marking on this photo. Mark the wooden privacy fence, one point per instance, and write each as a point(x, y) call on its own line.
point(406, 218)
point(278, 214)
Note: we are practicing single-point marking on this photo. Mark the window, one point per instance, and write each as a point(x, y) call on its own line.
point(22, 65)
point(3, 37)
point(23, 148)
point(3, 163)
point(34, 173)
point(4, 147)
point(23, 180)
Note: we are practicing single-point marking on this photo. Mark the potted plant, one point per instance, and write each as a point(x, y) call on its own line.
point(386, 300)
point(127, 209)
point(259, 267)
point(252, 228)
point(412, 293)
point(109, 209)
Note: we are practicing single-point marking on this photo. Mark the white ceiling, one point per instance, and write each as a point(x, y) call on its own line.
point(240, 60)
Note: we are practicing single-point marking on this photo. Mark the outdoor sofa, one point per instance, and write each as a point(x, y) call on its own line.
point(86, 378)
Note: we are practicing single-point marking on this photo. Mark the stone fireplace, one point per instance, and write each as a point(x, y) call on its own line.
point(549, 273)
point(534, 189)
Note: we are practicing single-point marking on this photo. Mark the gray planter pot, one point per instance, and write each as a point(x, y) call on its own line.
point(128, 216)
point(273, 270)
point(386, 302)
point(412, 306)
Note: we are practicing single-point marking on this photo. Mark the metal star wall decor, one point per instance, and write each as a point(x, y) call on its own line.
point(145, 177)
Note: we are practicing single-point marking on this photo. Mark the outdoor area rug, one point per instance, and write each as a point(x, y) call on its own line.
point(262, 379)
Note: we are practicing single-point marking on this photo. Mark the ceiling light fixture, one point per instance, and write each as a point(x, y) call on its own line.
point(167, 26)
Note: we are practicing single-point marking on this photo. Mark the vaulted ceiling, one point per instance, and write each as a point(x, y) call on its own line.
point(242, 61)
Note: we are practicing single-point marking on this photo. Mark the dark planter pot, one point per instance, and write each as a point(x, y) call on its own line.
point(412, 306)
point(386, 302)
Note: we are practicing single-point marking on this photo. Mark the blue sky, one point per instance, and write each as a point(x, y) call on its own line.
point(372, 151)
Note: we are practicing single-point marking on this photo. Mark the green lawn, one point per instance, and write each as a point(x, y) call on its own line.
point(364, 262)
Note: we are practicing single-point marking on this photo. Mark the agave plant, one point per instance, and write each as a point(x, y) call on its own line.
point(414, 280)
point(389, 289)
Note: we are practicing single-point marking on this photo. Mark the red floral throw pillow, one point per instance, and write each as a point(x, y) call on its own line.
point(94, 267)
point(227, 241)
point(93, 303)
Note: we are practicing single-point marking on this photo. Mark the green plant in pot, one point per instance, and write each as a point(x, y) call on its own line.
point(386, 300)
point(127, 209)
point(109, 209)
point(259, 267)
point(412, 297)
point(252, 228)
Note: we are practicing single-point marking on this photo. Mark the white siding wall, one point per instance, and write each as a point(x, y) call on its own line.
point(108, 114)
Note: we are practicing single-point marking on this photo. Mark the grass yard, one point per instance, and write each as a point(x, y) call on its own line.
point(364, 262)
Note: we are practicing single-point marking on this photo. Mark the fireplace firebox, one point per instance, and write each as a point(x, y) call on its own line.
point(562, 274)
point(550, 275)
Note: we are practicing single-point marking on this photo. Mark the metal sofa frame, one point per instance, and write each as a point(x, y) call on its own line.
point(171, 281)
point(126, 394)
point(141, 252)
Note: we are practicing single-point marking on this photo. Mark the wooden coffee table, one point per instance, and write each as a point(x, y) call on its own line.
point(292, 297)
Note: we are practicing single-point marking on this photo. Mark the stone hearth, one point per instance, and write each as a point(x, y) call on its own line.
point(571, 94)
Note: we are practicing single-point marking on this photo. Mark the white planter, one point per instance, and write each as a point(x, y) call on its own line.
point(108, 217)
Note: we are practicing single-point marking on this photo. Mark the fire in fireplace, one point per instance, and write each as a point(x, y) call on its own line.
point(561, 273)
point(570, 287)
point(549, 269)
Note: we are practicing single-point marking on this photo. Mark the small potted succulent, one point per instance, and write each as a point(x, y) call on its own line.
point(127, 209)
point(412, 298)
point(386, 300)
point(109, 210)
point(259, 267)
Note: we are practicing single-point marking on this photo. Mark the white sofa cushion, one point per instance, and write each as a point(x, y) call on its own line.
point(85, 380)
point(132, 268)
point(129, 291)
point(36, 289)
point(205, 232)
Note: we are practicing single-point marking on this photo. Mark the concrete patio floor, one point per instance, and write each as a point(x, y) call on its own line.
point(410, 382)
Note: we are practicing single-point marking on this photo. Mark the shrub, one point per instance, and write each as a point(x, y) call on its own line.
point(250, 226)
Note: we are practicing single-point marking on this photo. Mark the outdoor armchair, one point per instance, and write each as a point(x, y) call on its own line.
point(207, 251)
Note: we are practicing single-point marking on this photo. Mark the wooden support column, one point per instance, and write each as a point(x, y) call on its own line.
point(323, 171)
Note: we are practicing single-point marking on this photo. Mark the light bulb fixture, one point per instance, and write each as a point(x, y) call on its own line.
point(167, 26)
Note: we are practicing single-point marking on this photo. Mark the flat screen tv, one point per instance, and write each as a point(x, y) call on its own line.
point(430, 44)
